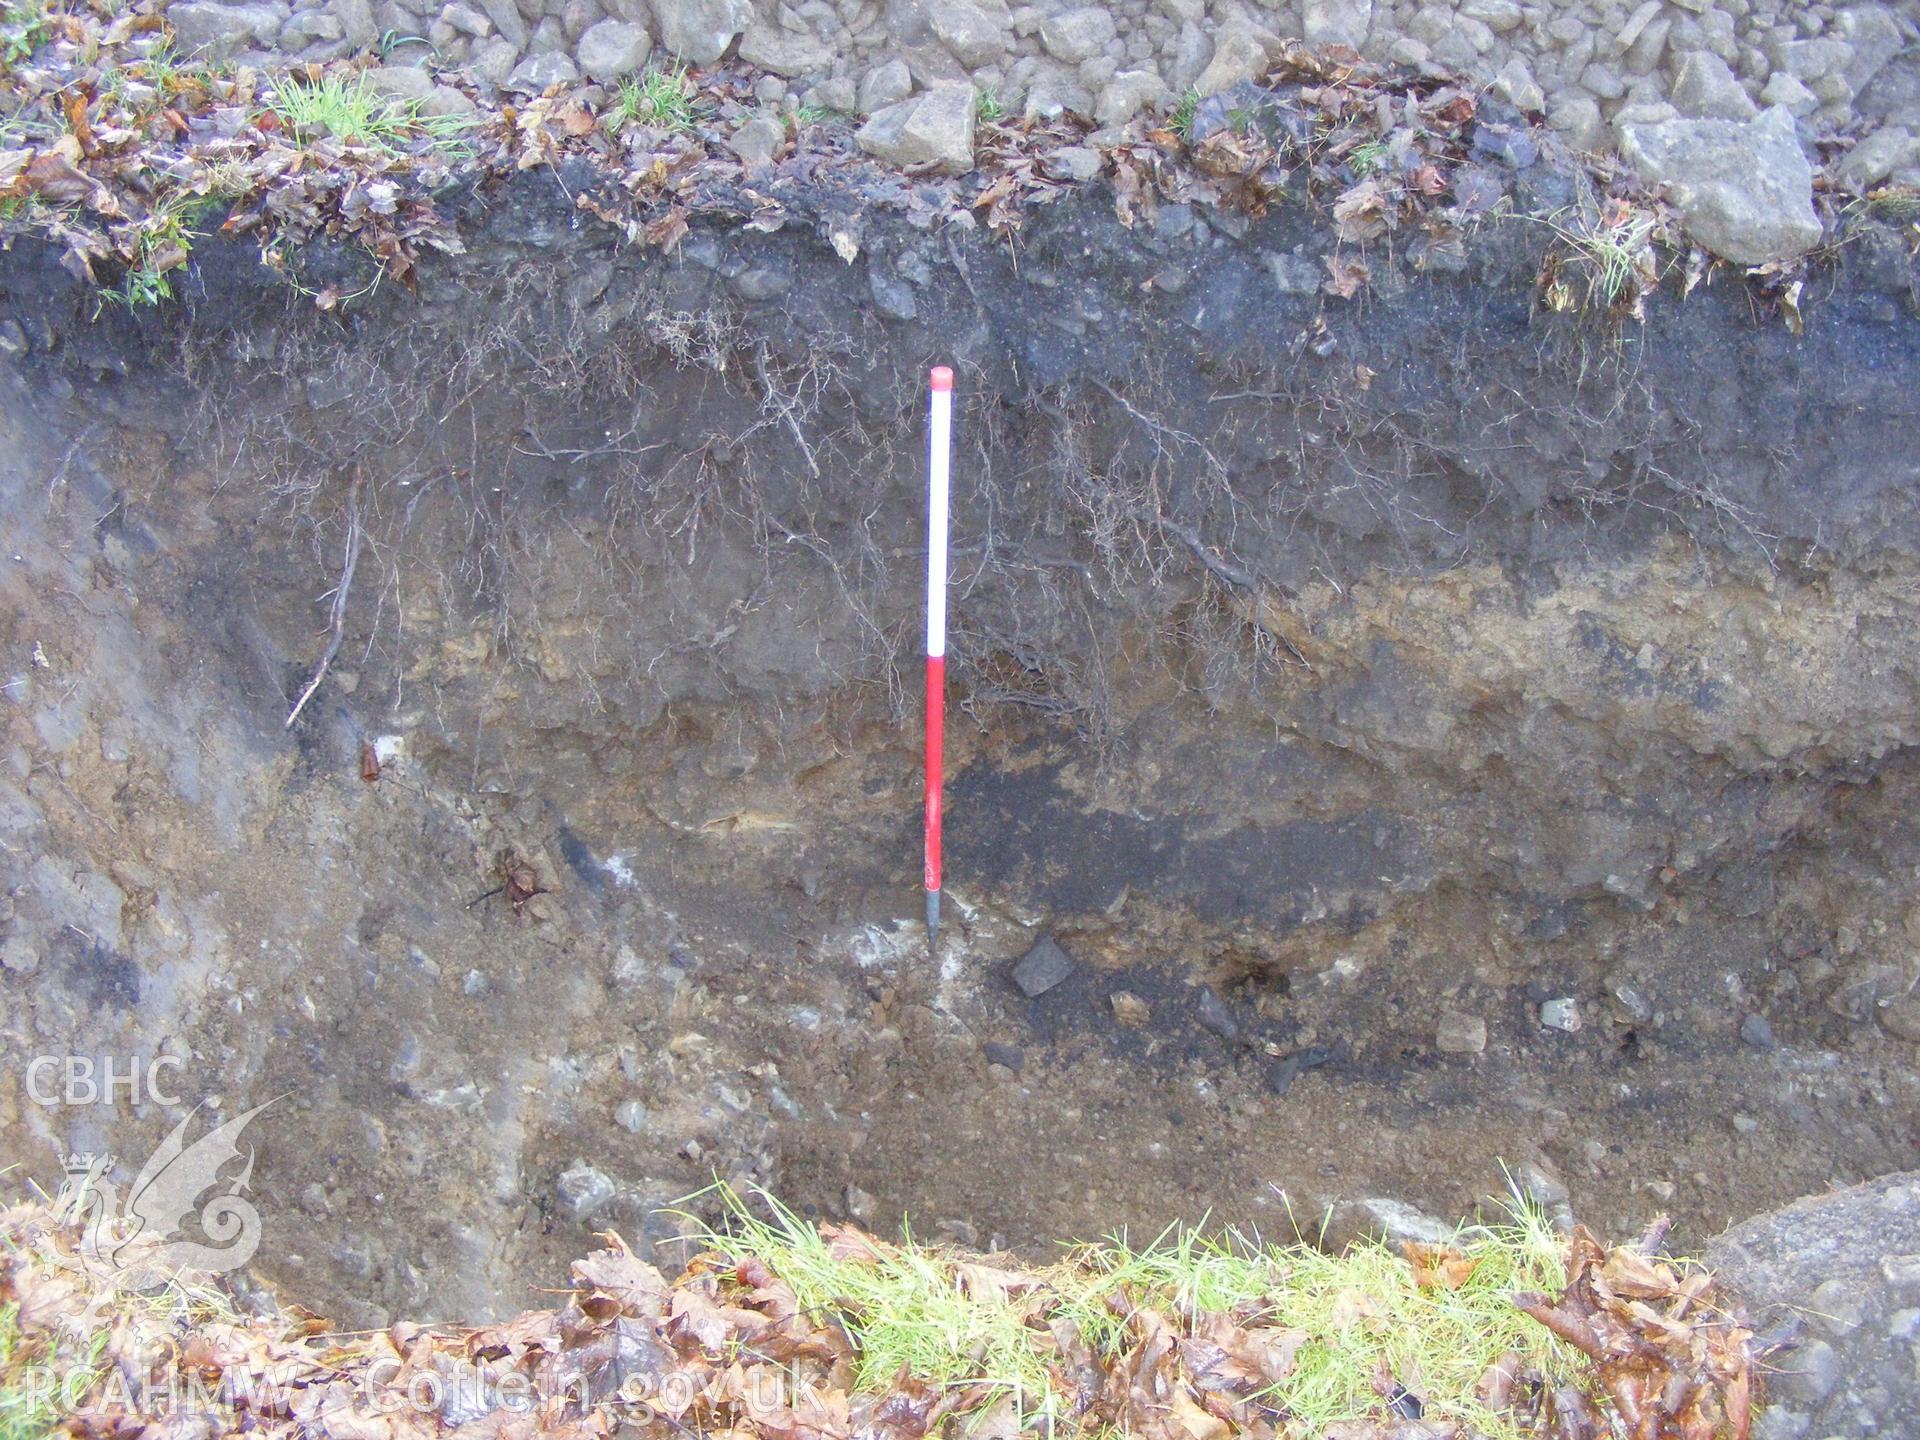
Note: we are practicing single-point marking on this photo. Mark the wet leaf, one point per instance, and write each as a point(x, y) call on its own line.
point(620, 1274)
point(1437, 1267)
point(56, 179)
point(668, 231)
point(1346, 276)
point(1361, 212)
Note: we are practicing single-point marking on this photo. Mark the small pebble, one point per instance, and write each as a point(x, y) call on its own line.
point(1215, 1016)
point(1010, 1056)
point(1042, 968)
point(1129, 1009)
point(1562, 1013)
point(1758, 1032)
point(1459, 1034)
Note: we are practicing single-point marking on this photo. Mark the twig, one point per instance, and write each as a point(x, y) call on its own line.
point(339, 604)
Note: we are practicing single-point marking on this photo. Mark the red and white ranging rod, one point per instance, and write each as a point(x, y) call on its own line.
point(940, 445)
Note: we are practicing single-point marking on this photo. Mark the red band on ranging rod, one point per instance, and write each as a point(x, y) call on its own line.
point(936, 741)
point(939, 448)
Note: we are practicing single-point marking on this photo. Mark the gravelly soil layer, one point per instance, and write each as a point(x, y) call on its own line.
point(1383, 669)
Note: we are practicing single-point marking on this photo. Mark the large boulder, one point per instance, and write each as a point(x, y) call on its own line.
point(1239, 53)
point(611, 49)
point(205, 29)
point(1705, 89)
point(975, 34)
point(931, 129)
point(1743, 189)
point(1078, 34)
point(1337, 22)
point(356, 22)
point(1128, 93)
point(784, 52)
point(1841, 1272)
point(699, 31)
point(538, 73)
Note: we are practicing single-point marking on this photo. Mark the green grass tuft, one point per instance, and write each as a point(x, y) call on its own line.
point(1180, 121)
point(662, 99)
point(907, 1311)
point(1360, 1311)
point(347, 110)
point(987, 109)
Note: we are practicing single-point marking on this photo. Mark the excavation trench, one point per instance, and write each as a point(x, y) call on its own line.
point(1338, 684)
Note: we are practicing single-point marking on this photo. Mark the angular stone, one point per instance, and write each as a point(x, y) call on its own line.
point(202, 28)
point(1562, 1013)
point(494, 61)
point(1790, 95)
point(1078, 34)
point(1515, 84)
point(1499, 15)
point(613, 49)
point(1340, 22)
point(1459, 1034)
point(1238, 54)
point(892, 296)
point(468, 21)
point(885, 85)
point(1191, 52)
point(1705, 89)
point(1638, 21)
point(976, 35)
point(838, 96)
point(784, 52)
point(1215, 1015)
point(398, 82)
point(1874, 36)
point(1809, 60)
point(1295, 274)
point(537, 72)
point(1877, 157)
point(583, 1191)
point(1053, 91)
point(762, 282)
point(1074, 162)
point(935, 129)
point(1379, 1218)
point(1647, 50)
point(758, 141)
point(1603, 81)
point(1127, 94)
point(1043, 967)
point(356, 21)
point(506, 19)
point(1850, 1251)
point(699, 31)
point(1010, 1056)
point(1744, 191)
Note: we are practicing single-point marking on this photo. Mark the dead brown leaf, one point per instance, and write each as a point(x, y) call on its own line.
point(1438, 1267)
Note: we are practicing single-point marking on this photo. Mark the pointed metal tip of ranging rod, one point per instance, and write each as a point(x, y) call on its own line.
point(933, 922)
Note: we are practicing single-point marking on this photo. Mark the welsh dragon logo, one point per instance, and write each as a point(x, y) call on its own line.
point(127, 1239)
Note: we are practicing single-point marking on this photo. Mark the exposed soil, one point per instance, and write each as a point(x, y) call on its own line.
point(1362, 665)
